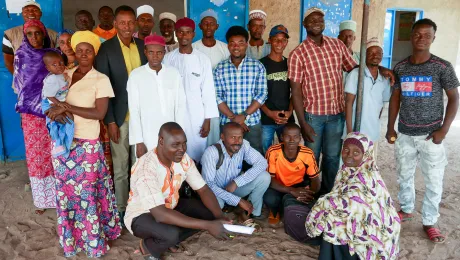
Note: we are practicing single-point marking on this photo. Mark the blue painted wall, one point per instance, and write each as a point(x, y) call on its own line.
point(11, 138)
point(336, 11)
point(229, 13)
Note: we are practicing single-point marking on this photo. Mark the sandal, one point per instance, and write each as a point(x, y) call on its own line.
point(403, 216)
point(273, 220)
point(40, 211)
point(251, 223)
point(27, 187)
point(181, 249)
point(142, 250)
point(434, 233)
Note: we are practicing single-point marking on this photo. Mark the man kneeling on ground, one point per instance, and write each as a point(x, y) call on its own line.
point(295, 175)
point(222, 169)
point(154, 211)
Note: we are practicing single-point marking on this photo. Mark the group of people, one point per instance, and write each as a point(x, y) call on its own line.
point(99, 104)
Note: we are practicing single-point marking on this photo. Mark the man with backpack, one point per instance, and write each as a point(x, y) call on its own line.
point(222, 170)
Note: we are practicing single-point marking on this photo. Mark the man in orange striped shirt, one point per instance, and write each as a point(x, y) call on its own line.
point(295, 174)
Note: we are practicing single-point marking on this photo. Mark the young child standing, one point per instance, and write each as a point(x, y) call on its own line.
point(55, 89)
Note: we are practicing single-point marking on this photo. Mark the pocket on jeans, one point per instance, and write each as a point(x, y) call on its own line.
point(433, 156)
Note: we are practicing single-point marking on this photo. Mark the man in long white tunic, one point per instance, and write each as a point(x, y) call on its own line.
point(216, 51)
point(155, 96)
point(197, 77)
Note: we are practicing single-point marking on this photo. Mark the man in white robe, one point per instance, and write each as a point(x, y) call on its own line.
point(216, 51)
point(155, 96)
point(197, 78)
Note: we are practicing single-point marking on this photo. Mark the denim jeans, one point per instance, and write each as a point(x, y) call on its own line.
point(255, 189)
point(328, 142)
point(433, 160)
point(268, 132)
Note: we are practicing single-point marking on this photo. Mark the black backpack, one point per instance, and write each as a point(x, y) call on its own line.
point(185, 190)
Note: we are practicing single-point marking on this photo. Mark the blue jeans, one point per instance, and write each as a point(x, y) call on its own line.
point(255, 189)
point(268, 132)
point(328, 142)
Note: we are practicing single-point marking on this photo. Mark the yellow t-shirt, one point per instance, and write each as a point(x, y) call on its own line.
point(84, 93)
point(132, 59)
point(290, 173)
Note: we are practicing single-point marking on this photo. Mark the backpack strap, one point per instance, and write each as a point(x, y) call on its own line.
point(221, 156)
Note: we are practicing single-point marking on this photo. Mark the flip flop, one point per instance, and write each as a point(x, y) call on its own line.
point(181, 249)
point(273, 220)
point(40, 211)
point(403, 216)
point(142, 250)
point(250, 223)
point(435, 233)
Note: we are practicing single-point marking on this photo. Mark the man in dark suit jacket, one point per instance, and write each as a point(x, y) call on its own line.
point(116, 58)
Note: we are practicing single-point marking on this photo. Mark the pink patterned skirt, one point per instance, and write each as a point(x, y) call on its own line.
point(86, 205)
point(39, 164)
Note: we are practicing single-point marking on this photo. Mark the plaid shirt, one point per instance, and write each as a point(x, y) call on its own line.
point(238, 87)
point(319, 70)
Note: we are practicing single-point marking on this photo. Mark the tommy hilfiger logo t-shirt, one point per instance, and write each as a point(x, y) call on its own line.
point(422, 89)
point(417, 86)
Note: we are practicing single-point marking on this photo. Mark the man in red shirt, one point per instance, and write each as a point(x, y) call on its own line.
point(315, 71)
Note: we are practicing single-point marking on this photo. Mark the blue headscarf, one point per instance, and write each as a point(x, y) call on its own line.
point(71, 32)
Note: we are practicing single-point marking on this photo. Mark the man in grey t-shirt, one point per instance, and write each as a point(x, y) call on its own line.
point(418, 97)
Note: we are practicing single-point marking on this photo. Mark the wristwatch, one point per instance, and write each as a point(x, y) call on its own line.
point(246, 116)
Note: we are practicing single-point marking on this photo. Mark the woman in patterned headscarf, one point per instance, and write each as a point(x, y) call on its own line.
point(29, 72)
point(357, 218)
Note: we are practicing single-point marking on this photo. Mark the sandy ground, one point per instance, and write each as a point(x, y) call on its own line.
point(24, 235)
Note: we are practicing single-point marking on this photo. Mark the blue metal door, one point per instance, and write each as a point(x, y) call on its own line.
point(11, 138)
point(336, 11)
point(229, 13)
point(388, 34)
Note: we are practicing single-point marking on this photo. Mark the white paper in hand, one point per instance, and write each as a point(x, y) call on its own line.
point(239, 229)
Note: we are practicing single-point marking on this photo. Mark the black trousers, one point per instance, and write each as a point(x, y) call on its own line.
point(329, 251)
point(158, 237)
point(276, 201)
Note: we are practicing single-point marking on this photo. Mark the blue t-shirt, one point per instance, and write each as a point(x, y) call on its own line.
point(375, 92)
point(422, 85)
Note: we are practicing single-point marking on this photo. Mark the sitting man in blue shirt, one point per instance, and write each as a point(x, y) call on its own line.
point(222, 170)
